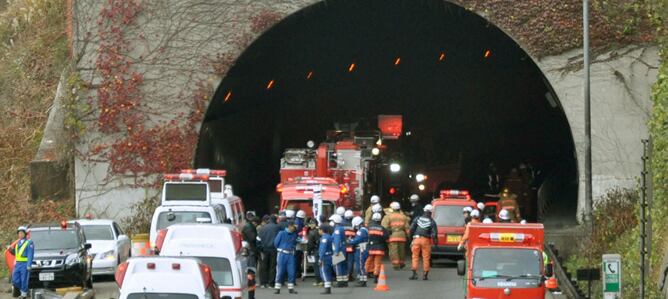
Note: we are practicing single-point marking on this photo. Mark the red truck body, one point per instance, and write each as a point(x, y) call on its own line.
point(297, 194)
point(450, 221)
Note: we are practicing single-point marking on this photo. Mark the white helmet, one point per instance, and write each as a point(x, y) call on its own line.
point(395, 206)
point(467, 209)
point(523, 221)
point(348, 214)
point(336, 218)
point(376, 217)
point(357, 221)
point(340, 211)
point(289, 213)
point(377, 208)
point(428, 208)
point(415, 198)
point(504, 215)
point(487, 221)
point(375, 199)
point(21, 228)
point(301, 214)
point(481, 206)
point(475, 214)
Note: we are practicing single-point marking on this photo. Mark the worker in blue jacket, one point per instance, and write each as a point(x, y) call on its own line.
point(325, 256)
point(339, 248)
point(286, 243)
point(23, 252)
point(359, 243)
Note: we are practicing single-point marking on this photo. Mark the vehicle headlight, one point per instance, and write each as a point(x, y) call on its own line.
point(108, 255)
point(72, 259)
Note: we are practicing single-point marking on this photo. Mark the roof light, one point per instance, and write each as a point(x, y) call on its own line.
point(63, 224)
point(351, 68)
point(279, 188)
point(185, 177)
point(150, 266)
point(176, 266)
point(228, 96)
point(397, 61)
point(119, 276)
point(344, 189)
point(205, 171)
point(270, 84)
point(488, 53)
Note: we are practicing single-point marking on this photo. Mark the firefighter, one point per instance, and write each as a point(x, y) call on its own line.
point(23, 252)
point(416, 207)
point(481, 206)
point(340, 211)
point(475, 218)
point(424, 232)
point(505, 217)
point(339, 248)
point(378, 237)
point(325, 257)
point(285, 243)
point(467, 214)
point(377, 209)
point(360, 242)
point(397, 223)
point(375, 199)
point(350, 234)
point(508, 201)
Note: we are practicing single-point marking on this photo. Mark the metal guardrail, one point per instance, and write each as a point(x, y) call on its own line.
point(565, 283)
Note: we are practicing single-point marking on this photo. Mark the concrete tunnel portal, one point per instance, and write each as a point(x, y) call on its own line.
point(468, 93)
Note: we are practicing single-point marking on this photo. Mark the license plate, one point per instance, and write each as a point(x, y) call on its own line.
point(453, 239)
point(48, 276)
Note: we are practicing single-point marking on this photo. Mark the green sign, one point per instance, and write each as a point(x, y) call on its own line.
point(612, 275)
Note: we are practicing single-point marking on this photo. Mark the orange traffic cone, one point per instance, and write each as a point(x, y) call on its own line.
point(382, 286)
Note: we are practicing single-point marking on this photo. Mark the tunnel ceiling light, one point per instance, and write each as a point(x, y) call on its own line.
point(488, 53)
point(395, 167)
point(228, 96)
point(351, 68)
point(270, 84)
point(421, 187)
point(420, 177)
point(441, 57)
point(309, 75)
point(397, 61)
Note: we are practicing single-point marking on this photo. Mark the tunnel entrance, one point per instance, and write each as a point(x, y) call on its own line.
point(468, 94)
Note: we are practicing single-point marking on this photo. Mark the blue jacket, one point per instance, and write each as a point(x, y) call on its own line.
point(286, 240)
point(267, 234)
point(299, 222)
point(362, 236)
point(325, 248)
point(339, 239)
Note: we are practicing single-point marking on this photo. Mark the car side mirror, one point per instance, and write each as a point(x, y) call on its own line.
point(461, 267)
point(88, 246)
point(549, 270)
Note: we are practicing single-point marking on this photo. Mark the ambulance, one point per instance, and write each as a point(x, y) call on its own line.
point(450, 221)
point(297, 194)
point(222, 194)
point(505, 260)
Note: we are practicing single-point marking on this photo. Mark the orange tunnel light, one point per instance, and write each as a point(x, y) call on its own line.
point(397, 61)
point(309, 75)
point(270, 84)
point(351, 68)
point(228, 96)
point(441, 57)
point(488, 53)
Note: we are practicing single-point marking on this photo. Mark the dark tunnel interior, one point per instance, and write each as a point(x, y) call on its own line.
point(468, 94)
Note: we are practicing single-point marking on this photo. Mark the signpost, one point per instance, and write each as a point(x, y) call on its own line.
point(612, 276)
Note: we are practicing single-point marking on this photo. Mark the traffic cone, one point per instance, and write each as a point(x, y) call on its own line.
point(382, 286)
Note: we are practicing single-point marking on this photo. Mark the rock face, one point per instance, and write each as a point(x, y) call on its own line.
point(177, 51)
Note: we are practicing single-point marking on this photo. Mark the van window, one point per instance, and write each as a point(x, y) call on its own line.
point(185, 192)
point(160, 296)
point(220, 269)
point(449, 215)
point(240, 214)
point(220, 210)
point(168, 218)
point(306, 205)
point(215, 186)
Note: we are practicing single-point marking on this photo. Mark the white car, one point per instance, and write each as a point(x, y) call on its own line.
point(165, 278)
point(217, 245)
point(165, 216)
point(110, 246)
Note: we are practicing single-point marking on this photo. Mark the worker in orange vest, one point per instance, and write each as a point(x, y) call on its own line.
point(397, 223)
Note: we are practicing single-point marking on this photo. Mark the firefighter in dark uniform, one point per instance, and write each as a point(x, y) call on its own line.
point(424, 232)
point(378, 237)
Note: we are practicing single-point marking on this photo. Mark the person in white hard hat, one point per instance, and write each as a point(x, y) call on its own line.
point(488, 221)
point(377, 240)
point(340, 211)
point(416, 207)
point(339, 248)
point(475, 218)
point(481, 206)
point(397, 223)
point(375, 208)
point(375, 199)
point(467, 214)
point(23, 252)
point(425, 234)
point(359, 243)
point(505, 217)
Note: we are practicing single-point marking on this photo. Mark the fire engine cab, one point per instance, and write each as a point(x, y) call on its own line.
point(450, 221)
point(506, 261)
point(297, 194)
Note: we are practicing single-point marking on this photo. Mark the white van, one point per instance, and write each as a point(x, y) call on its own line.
point(165, 216)
point(165, 278)
point(219, 246)
point(220, 193)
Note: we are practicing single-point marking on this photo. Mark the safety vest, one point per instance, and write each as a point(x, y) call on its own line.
point(21, 250)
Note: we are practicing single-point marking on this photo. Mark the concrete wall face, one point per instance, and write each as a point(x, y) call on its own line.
point(172, 42)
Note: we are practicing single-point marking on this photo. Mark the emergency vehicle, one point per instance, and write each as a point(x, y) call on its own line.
point(505, 260)
point(221, 194)
point(219, 246)
point(450, 221)
point(185, 199)
point(297, 194)
point(166, 277)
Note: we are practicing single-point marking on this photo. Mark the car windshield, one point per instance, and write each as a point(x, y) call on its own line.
point(185, 192)
point(98, 232)
point(307, 206)
point(161, 296)
point(489, 263)
point(220, 269)
point(449, 215)
point(166, 219)
point(54, 239)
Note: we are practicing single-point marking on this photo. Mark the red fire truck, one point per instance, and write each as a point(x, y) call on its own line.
point(449, 219)
point(297, 194)
point(506, 261)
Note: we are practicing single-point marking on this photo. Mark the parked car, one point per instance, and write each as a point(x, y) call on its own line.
point(110, 246)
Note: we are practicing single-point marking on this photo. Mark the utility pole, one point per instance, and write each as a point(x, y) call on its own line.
point(589, 207)
point(643, 218)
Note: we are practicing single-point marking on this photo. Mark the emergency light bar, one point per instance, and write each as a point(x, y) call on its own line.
point(205, 171)
point(185, 177)
point(455, 193)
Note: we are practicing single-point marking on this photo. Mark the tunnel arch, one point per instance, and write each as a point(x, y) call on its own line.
point(467, 90)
